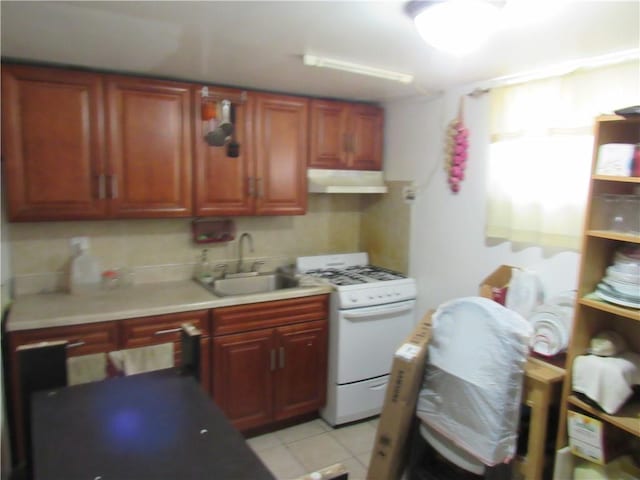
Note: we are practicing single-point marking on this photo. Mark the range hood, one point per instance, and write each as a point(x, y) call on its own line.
point(345, 181)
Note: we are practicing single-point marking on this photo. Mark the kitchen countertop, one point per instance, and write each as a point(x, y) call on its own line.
point(62, 309)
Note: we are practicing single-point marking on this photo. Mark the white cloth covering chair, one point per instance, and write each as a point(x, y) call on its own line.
point(469, 406)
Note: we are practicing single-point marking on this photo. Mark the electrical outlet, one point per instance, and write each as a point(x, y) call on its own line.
point(409, 194)
point(79, 243)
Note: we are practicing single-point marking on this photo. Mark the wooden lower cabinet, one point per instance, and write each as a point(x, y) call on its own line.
point(82, 340)
point(263, 375)
point(145, 331)
point(301, 373)
point(105, 337)
point(242, 377)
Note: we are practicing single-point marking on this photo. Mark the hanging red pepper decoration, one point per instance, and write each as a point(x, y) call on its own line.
point(456, 150)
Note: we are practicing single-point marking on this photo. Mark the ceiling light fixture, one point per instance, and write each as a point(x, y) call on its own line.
point(454, 26)
point(314, 61)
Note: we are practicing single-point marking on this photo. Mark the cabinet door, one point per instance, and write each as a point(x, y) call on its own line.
point(328, 136)
point(149, 147)
point(365, 149)
point(223, 183)
point(281, 154)
point(242, 377)
point(52, 143)
point(301, 377)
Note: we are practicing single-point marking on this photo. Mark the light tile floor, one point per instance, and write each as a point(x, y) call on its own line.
point(307, 447)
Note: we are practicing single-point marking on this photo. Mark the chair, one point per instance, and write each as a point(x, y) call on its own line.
point(43, 366)
point(468, 409)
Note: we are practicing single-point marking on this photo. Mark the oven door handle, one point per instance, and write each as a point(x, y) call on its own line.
point(377, 313)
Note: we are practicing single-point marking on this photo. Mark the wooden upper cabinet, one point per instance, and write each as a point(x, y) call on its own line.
point(222, 183)
point(345, 135)
point(52, 143)
point(366, 127)
point(149, 147)
point(280, 132)
point(329, 137)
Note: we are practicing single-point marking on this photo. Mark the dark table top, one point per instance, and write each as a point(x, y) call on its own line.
point(158, 425)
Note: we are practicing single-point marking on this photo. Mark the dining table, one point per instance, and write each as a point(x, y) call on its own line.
point(157, 425)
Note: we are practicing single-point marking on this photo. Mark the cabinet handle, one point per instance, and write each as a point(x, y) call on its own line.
point(345, 142)
point(77, 343)
point(251, 187)
point(273, 360)
point(281, 357)
point(102, 186)
point(168, 330)
point(114, 186)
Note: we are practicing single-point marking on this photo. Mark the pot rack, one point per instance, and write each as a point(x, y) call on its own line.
point(210, 95)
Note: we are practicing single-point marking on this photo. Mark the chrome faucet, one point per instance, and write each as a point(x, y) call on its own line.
point(240, 255)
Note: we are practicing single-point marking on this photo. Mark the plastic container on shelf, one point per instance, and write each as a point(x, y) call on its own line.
point(85, 274)
point(630, 207)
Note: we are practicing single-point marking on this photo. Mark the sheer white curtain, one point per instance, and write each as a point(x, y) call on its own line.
point(540, 153)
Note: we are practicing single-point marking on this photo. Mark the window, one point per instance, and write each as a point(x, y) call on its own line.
point(540, 153)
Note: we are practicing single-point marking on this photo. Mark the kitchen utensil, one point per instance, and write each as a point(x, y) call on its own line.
point(218, 136)
point(233, 147)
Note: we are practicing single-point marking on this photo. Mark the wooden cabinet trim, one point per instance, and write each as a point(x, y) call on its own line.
point(254, 316)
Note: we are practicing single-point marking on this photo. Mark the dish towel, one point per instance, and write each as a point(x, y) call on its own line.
point(607, 380)
point(147, 359)
point(86, 368)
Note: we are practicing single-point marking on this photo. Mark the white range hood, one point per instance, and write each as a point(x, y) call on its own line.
point(345, 181)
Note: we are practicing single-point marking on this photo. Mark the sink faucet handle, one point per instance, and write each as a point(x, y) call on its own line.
point(221, 267)
point(256, 265)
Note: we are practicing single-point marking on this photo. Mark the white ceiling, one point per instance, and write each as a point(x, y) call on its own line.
point(259, 45)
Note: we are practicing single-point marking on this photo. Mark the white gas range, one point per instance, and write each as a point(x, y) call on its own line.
point(372, 311)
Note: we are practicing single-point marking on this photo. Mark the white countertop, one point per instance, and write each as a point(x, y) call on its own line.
point(61, 309)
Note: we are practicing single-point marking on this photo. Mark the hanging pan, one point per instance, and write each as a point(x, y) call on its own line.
point(217, 137)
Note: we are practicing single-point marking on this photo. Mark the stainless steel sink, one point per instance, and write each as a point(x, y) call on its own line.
point(248, 284)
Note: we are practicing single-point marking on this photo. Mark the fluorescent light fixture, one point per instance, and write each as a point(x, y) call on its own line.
point(312, 60)
point(457, 26)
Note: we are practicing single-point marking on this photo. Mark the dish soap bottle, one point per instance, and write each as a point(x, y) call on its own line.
point(204, 273)
point(85, 270)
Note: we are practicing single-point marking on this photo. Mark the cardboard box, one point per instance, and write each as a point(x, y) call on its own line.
point(495, 285)
point(389, 450)
point(592, 439)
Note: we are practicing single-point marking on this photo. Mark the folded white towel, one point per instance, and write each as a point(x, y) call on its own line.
point(147, 359)
point(86, 368)
point(607, 380)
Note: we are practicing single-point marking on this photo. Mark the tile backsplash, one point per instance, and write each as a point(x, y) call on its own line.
point(162, 249)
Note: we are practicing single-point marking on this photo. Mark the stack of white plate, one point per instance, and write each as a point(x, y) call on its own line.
point(552, 324)
point(621, 284)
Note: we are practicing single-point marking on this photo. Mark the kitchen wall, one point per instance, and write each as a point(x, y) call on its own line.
point(449, 254)
point(158, 250)
point(384, 231)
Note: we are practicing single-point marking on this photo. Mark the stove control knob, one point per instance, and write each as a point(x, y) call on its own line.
point(371, 297)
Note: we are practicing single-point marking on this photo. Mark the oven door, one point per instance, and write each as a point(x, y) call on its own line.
point(367, 339)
